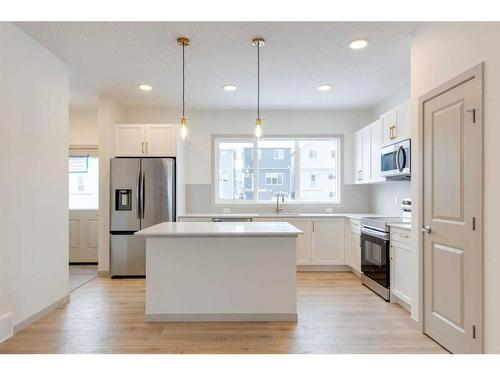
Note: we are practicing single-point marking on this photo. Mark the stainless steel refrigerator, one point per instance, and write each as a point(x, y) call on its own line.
point(142, 195)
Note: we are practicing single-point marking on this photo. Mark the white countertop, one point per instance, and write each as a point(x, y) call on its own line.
point(193, 229)
point(356, 216)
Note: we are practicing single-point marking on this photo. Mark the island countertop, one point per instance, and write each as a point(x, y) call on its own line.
point(193, 229)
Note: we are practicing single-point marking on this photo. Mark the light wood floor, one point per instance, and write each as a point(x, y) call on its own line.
point(80, 275)
point(336, 315)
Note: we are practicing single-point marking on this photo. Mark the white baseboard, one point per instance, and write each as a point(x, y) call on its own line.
point(6, 329)
point(33, 318)
point(222, 317)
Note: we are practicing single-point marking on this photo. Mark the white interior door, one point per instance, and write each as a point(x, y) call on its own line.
point(83, 205)
point(452, 213)
point(83, 235)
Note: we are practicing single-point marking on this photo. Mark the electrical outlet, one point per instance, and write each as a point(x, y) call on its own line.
point(328, 210)
point(226, 210)
point(396, 200)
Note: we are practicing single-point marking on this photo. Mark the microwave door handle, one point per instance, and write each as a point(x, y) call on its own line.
point(402, 152)
point(397, 159)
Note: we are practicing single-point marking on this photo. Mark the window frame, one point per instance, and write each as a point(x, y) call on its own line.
point(218, 138)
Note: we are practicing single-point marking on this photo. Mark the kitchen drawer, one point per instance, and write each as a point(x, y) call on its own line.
point(401, 235)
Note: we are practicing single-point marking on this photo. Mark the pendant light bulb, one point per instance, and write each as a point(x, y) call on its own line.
point(184, 129)
point(258, 128)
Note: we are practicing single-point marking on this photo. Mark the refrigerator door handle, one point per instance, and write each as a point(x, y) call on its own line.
point(143, 192)
point(138, 196)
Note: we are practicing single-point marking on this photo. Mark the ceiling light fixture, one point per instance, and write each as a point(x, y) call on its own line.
point(229, 87)
point(258, 42)
point(358, 44)
point(324, 87)
point(145, 87)
point(183, 42)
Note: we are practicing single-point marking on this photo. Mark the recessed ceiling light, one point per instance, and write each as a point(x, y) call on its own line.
point(358, 44)
point(146, 87)
point(229, 87)
point(324, 87)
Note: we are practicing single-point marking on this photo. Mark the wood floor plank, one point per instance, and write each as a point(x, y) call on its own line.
point(336, 315)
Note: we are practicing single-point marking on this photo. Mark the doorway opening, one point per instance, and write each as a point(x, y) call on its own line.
point(83, 171)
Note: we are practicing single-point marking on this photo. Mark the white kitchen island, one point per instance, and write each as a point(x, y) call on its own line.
point(231, 271)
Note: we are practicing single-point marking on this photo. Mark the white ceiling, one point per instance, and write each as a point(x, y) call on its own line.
point(112, 58)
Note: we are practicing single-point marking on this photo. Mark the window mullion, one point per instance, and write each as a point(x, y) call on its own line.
point(297, 170)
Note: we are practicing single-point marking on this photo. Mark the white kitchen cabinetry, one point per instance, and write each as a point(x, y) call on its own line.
point(401, 265)
point(129, 140)
point(145, 140)
point(396, 124)
point(376, 144)
point(353, 245)
point(304, 241)
point(368, 141)
point(328, 242)
point(363, 155)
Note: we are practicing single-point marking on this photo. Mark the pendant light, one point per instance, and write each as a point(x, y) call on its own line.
point(183, 42)
point(258, 42)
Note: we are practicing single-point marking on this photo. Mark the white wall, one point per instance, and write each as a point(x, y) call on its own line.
point(34, 176)
point(202, 124)
point(440, 52)
point(83, 129)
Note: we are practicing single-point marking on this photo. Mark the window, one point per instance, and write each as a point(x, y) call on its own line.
point(274, 178)
point(279, 154)
point(83, 182)
point(301, 168)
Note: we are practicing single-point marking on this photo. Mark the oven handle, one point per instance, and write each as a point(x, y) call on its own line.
point(375, 233)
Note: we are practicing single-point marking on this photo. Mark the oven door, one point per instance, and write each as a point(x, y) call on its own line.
point(375, 256)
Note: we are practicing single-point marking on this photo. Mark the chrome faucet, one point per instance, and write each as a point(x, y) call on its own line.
point(279, 195)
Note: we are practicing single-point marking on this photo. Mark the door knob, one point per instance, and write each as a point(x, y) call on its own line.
point(426, 229)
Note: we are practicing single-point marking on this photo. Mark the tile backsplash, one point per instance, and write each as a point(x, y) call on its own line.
point(384, 199)
point(356, 198)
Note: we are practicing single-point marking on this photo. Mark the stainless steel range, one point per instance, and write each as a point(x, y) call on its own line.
point(375, 253)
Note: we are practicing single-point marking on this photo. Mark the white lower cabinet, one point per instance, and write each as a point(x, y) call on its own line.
point(401, 265)
point(354, 249)
point(328, 242)
point(304, 242)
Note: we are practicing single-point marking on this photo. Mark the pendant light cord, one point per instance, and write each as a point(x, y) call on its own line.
point(258, 80)
point(183, 80)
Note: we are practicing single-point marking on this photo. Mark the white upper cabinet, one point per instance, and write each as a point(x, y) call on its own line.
point(129, 140)
point(367, 144)
point(363, 156)
point(376, 144)
point(161, 140)
point(396, 124)
point(146, 140)
point(328, 242)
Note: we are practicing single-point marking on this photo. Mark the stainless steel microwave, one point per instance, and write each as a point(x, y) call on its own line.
point(396, 160)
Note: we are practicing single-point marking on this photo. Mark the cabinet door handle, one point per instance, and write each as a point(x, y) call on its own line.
point(142, 147)
point(392, 133)
point(147, 151)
